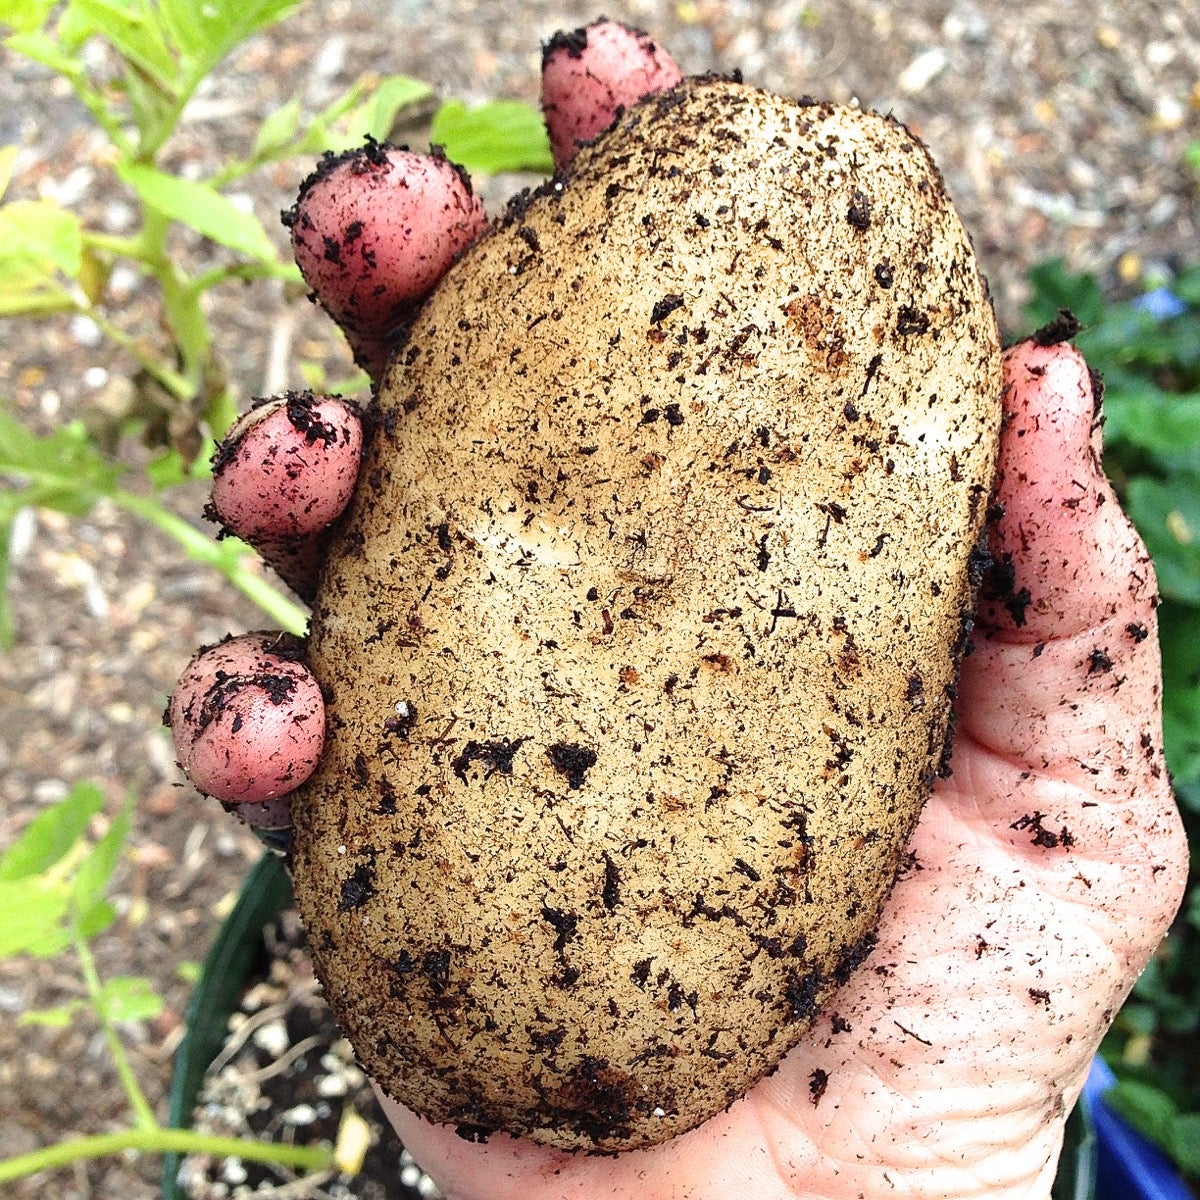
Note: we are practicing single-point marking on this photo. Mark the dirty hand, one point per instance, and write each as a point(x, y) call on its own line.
point(1043, 871)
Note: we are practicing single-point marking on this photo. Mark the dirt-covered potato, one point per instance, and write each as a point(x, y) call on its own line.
point(641, 640)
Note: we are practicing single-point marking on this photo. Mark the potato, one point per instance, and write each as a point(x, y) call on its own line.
point(641, 639)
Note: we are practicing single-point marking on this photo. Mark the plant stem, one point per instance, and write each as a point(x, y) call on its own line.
point(174, 383)
point(116, 244)
point(221, 555)
point(165, 1141)
point(143, 1114)
point(218, 275)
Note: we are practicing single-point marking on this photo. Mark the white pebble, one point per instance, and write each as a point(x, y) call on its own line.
point(85, 331)
point(329, 1086)
point(331, 58)
point(923, 70)
point(95, 377)
point(20, 535)
point(272, 1037)
point(233, 1171)
point(302, 1114)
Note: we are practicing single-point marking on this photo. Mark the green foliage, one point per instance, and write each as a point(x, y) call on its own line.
point(134, 64)
point(1148, 351)
point(504, 135)
point(54, 878)
point(54, 885)
point(52, 263)
point(65, 471)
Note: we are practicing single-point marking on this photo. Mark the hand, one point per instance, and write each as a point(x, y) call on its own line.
point(1042, 874)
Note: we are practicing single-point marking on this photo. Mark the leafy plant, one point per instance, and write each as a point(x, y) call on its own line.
point(54, 884)
point(134, 65)
point(155, 54)
point(1148, 350)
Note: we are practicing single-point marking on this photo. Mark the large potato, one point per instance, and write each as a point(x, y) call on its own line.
point(641, 639)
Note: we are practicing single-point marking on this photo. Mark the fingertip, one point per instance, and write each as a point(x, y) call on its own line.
point(1052, 403)
point(374, 229)
point(288, 468)
point(1065, 556)
point(591, 74)
point(248, 719)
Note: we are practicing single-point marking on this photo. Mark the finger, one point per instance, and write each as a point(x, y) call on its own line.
point(373, 230)
point(1058, 759)
point(283, 474)
point(591, 75)
point(248, 720)
point(1067, 612)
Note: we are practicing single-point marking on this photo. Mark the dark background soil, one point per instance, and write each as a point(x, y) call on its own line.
point(1060, 128)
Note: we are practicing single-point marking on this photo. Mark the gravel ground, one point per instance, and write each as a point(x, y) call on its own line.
point(1060, 128)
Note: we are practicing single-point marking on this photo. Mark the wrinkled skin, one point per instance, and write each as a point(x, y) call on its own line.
point(1044, 871)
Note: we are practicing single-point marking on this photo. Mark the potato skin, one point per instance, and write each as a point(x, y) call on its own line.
point(641, 642)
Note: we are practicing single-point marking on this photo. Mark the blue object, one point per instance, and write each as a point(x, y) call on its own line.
point(1162, 304)
point(1128, 1166)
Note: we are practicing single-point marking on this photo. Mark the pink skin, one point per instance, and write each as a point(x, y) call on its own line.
point(373, 231)
point(248, 720)
point(591, 75)
point(1005, 949)
point(283, 474)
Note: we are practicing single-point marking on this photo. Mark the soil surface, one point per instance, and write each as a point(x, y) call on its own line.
point(1060, 127)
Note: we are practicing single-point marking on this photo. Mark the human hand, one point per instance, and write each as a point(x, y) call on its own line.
point(1043, 873)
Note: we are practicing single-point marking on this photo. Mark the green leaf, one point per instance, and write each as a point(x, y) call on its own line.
point(1183, 1141)
point(1164, 424)
point(188, 971)
point(26, 16)
point(1054, 289)
point(504, 135)
point(1179, 635)
point(1147, 1108)
point(37, 240)
point(202, 208)
point(1187, 282)
point(95, 871)
point(277, 132)
point(35, 911)
point(51, 835)
point(206, 32)
point(51, 1018)
point(377, 115)
point(133, 29)
point(170, 468)
point(1167, 515)
point(130, 998)
point(95, 920)
point(41, 48)
point(62, 470)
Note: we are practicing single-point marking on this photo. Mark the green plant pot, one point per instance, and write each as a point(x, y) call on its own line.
point(238, 952)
